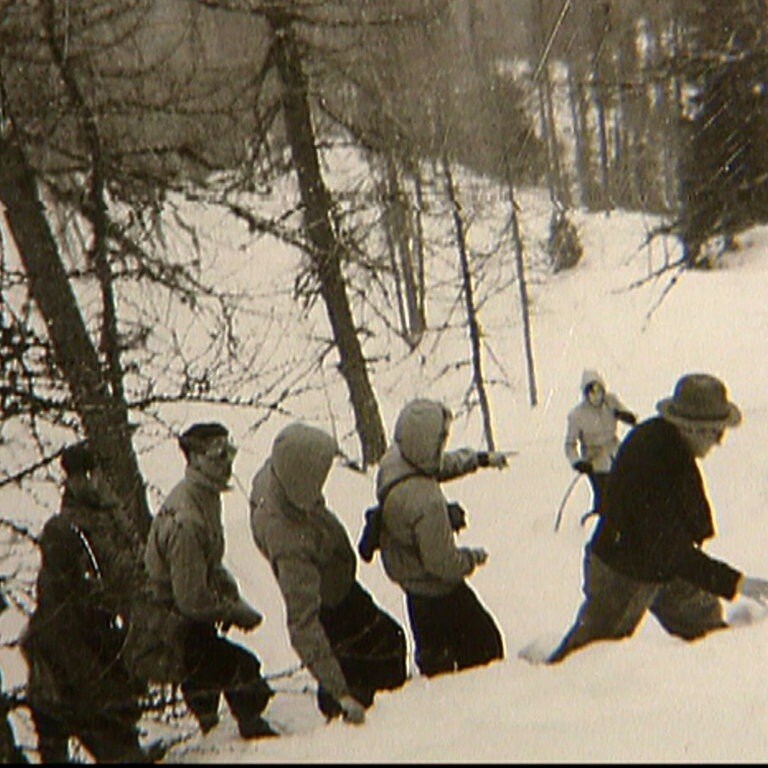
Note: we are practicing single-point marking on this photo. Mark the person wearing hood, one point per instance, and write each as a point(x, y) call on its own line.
point(351, 646)
point(77, 683)
point(194, 599)
point(646, 553)
point(451, 628)
point(591, 439)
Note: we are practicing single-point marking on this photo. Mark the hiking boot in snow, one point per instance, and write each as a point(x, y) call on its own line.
point(208, 722)
point(256, 728)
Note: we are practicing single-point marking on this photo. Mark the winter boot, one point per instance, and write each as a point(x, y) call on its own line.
point(256, 728)
point(208, 721)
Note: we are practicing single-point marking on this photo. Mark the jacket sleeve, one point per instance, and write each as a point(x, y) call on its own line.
point(189, 577)
point(457, 463)
point(226, 584)
point(619, 410)
point(299, 582)
point(61, 564)
point(437, 550)
point(711, 575)
point(572, 439)
point(685, 520)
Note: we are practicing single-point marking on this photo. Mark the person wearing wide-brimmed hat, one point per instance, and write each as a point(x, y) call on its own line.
point(646, 553)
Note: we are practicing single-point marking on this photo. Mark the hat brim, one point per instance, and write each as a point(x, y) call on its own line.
point(666, 408)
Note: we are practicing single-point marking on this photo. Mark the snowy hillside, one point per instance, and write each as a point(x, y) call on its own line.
point(651, 698)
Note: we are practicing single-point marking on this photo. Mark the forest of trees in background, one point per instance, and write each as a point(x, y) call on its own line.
point(107, 108)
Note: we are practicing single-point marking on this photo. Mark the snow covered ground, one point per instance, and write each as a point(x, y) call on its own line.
point(651, 698)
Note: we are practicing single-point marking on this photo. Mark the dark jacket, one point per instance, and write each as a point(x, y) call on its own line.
point(74, 637)
point(656, 513)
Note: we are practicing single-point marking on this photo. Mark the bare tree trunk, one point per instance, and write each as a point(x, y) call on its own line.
point(524, 301)
point(580, 137)
point(602, 138)
point(546, 138)
point(399, 225)
point(392, 248)
point(328, 249)
point(561, 184)
point(598, 33)
point(419, 245)
point(96, 206)
point(671, 126)
point(104, 416)
point(469, 299)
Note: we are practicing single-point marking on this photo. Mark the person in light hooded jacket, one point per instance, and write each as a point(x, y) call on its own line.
point(451, 629)
point(350, 645)
point(591, 441)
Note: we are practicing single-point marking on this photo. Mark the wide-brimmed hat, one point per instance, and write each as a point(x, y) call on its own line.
point(700, 399)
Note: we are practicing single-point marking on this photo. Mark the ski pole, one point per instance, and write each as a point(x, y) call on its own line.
point(566, 496)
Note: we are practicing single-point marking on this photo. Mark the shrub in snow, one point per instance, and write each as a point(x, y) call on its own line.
point(564, 245)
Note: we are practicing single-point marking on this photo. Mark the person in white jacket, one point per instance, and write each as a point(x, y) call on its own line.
point(591, 440)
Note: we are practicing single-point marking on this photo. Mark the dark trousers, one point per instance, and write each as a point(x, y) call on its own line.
point(215, 666)
point(452, 632)
point(108, 739)
point(614, 605)
point(599, 482)
point(369, 646)
point(9, 751)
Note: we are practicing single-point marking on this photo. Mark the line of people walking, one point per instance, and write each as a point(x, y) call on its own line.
point(106, 628)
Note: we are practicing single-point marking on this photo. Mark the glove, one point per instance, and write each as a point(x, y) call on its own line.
point(585, 467)
point(457, 516)
point(478, 555)
point(626, 416)
point(495, 459)
point(754, 589)
point(245, 617)
point(353, 711)
point(369, 538)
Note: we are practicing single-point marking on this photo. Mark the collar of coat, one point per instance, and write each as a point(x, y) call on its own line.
point(196, 478)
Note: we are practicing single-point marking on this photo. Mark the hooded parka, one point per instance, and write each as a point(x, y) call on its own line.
point(591, 433)
point(306, 546)
point(417, 542)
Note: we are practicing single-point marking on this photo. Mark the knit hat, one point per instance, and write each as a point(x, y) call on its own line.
point(198, 436)
point(78, 459)
point(700, 399)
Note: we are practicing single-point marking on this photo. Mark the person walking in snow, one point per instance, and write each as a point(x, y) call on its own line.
point(591, 439)
point(350, 645)
point(77, 682)
point(194, 599)
point(646, 552)
point(451, 628)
